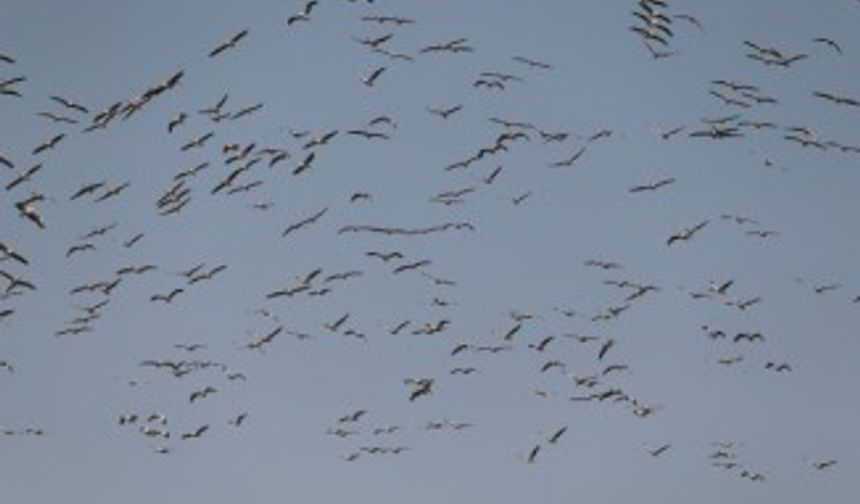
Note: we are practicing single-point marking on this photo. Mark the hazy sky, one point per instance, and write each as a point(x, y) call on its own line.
point(524, 254)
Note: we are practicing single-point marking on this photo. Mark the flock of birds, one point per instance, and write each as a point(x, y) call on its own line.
point(235, 168)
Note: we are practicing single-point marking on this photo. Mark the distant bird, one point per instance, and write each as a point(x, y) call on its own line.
point(557, 435)
point(307, 221)
point(656, 452)
point(728, 361)
point(748, 336)
point(196, 433)
point(570, 160)
point(412, 266)
point(7, 252)
point(423, 386)
point(335, 326)
point(453, 46)
point(302, 15)
point(175, 121)
point(228, 44)
point(167, 298)
point(444, 113)
point(237, 422)
point(781, 367)
point(603, 264)
point(304, 164)
point(69, 104)
point(24, 177)
point(652, 186)
point(371, 79)
point(605, 348)
point(533, 454)
point(824, 464)
point(266, 339)
point(690, 19)
point(752, 476)
point(198, 141)
point(202, 393)
point(132, 241)
point(5, 161)
point(686, 233)
point(385, 257)
point(48, 144)
point(532, 63)
point(541, 346)
point(388, 19)
point(370, 135)
point(112, 192)
point(87, 189)
point(79, 248)
point(830, 42)
point(27, 209)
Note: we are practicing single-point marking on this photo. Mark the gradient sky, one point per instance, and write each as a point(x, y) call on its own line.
point(525, 258)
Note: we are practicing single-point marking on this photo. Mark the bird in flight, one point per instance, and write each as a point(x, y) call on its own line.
point(304, 14)
point(371, 79)
point(652, 186)
point(228, 44)
point(656, 452)
point(686, 233)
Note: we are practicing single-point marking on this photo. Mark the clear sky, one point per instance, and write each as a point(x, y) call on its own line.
point(783, 407)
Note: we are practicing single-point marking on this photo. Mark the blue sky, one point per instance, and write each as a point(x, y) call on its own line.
point(526, 258)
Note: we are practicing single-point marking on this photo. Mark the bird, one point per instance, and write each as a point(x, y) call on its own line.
point(87, 189)
point(175, 121)
point(609, 343)
point(335, 326)
point(423, 387)
point(304, 14)
point(686, 233)
point(412, 266)
point(202, 393)
point(445, 113)
point(557, 435)
point(48, 144)
point(198, 141)
point(112, 192)
point(748, 336)
point(5, 161)
point(652, 186)
point(824, 464)
point(24, 177)
point(656, 452)
point(228, 44)
point(371, 79)
point(7, 252)
point(196, 433)
point(70, 104)
point(304, 222)
point(305, 163)
point(533, 454)
point(27, 209)
point(570, 160)
point(830, 42)
point(781, 367)
point(265, 339)
point(79, 248)
point(167, 298)
point(532, 63)
point(237, 422)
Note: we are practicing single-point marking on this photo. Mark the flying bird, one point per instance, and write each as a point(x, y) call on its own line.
point(229, 43)
point(371, 79)
point(304, 14)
